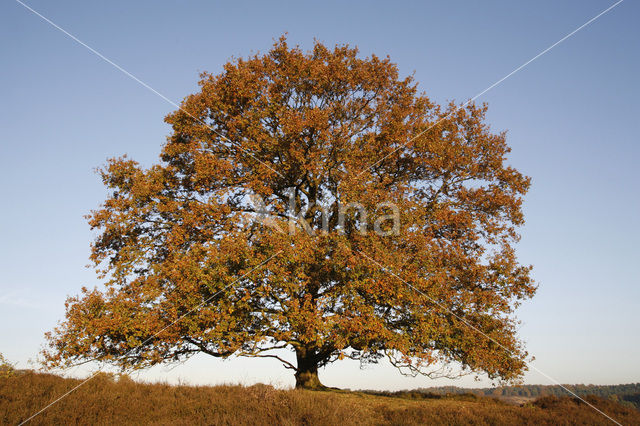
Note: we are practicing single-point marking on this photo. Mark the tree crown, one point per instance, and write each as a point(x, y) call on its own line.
point(390, 231)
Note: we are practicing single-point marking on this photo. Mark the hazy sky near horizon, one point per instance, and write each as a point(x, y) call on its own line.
point(572, 116)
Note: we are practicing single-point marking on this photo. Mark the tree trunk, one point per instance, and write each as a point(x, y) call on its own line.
point(307, 372)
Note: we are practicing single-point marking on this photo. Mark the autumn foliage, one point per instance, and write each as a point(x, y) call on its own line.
point(190, 268)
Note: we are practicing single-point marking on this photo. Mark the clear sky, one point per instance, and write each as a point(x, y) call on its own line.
point(572, 118)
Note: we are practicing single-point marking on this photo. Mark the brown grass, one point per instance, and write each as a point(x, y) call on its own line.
point(104, 400)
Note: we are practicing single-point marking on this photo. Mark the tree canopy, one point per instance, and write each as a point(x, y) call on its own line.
point(389, 232)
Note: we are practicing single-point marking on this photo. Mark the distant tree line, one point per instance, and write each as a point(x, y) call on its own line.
point(628, 394)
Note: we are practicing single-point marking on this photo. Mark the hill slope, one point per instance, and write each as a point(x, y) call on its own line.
point(104, 400)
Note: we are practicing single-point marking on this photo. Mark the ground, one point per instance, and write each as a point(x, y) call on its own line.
point(107, 400)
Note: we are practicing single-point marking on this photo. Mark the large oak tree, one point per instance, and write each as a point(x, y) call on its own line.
point(190, 268)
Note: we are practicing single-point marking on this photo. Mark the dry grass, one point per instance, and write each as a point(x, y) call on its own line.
point(104, 400)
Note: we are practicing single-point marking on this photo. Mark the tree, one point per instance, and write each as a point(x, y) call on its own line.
point(7, 369)
point(402, 244)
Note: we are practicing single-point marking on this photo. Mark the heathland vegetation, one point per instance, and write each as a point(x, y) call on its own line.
point(109, 399)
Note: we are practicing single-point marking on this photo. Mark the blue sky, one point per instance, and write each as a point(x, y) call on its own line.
point(572, 118)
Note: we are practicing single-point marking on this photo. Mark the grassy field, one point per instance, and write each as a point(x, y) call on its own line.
point(104, 400)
